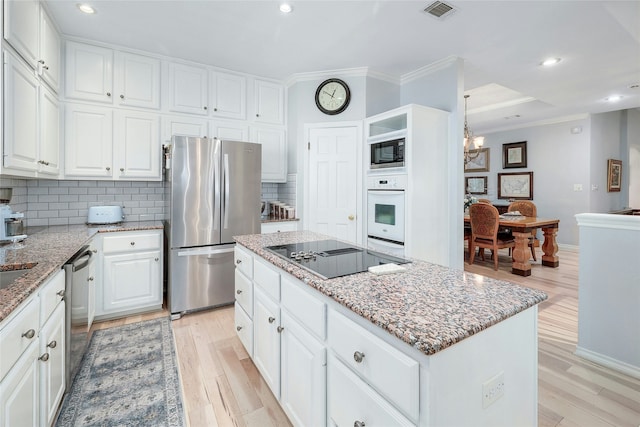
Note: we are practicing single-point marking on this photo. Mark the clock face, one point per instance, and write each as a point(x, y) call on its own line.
point(333, 96)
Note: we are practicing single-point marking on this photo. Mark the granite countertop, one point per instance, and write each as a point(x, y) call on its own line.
point(428, 306)
point(45, 251)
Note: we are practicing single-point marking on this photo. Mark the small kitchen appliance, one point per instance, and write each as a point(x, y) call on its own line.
point(105, 215)
point(332, 258)
point(11, 223)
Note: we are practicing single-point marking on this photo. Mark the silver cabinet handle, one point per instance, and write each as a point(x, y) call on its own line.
point(280, 329)
point(132, 243)
point(239, 261)
point(108, 168)
point(358, 357)
point(95, 251)
point(272, 319)
point(205, 107)
point(45, 67)
point(121, 169)
point(60, 293)
point(239, 291)
point(52, 344)
point(238, 328)
point(257, 115)
point(29, 334)
point(90, 279)
point(121, 96)
point(108, 93)
point(358, 424)
point(41, 61)
point(215, 109)
point(44, 357)
point(156, 259)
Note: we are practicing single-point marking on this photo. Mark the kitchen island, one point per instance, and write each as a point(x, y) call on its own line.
point(428, 346)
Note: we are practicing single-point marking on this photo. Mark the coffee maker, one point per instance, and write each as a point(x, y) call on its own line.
point(11, 224)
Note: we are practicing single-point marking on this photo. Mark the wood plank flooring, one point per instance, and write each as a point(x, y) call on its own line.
point(222, 387)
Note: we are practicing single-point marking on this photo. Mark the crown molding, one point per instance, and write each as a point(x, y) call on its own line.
point(428, 69)
point(544, 122)
point(345, 72)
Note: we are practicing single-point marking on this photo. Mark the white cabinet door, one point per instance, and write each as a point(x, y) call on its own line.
point(266, 340)
point(228, 95)
point(52, 365)
point(137, 80)
point(131, 280)
point(184, 126)
point(49, 61)
point(269, 102)
point(20, 115)
point(188, 89)
point(89, 141)
point(228, 131)
point(274, 153)
point(21, 20)
point(137, 147)
point(89, 72)
point(303, 376)
point(49, 143)
point(19, 391)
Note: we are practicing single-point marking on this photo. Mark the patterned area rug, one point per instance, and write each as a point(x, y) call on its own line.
point(128, 377)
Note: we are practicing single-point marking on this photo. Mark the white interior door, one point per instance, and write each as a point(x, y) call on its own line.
point(332, 192)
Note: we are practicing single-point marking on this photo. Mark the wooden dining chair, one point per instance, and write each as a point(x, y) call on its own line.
point(484, 201)
point(485, 220)
point(527, 208)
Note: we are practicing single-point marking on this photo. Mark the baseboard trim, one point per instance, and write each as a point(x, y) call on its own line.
point(608, 362)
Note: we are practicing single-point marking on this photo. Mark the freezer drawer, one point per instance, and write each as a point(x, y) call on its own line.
point(200, 278)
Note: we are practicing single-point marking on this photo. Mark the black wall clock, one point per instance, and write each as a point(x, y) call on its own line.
point(333, 96)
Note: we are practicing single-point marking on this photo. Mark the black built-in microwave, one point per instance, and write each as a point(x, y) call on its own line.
point(387, 154)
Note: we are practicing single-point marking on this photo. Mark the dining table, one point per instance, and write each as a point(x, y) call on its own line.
point(521, 228)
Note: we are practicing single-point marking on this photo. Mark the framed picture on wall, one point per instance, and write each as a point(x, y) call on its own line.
point(475, 184)
point(514, 155)
point(614, 175)
point(479, 161)
point(515, 185)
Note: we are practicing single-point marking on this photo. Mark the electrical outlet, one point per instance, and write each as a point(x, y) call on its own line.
point(577, 187)
point(492, 390)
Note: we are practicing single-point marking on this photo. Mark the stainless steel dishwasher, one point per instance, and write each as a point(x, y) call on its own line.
point(79, 296)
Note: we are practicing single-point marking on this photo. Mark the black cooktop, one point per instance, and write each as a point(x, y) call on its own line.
point(331, 258)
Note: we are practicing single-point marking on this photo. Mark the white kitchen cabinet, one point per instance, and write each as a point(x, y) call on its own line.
point(89, 72)
point(188, 89)
point(137, 148)
point(277, 227)
point(268, 102)
point(49, 134)
point(266, 339)
point(19, 396)
point(274, 152)
point(137, 81)
point(88, 141)
point(184, 126)
point(52, 365)
point(132, 273)
point(228, 95)
point(50, 49)
point(229, 131)
point(303, 374)
point(21, 28)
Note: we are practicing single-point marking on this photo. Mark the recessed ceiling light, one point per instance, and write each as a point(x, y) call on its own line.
point(85, 8)
point(550, 62)
point(613, 98)
point(285, 8)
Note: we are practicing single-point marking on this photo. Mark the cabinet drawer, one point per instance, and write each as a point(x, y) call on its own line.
point(50, 295)
point(244, 292)
point(244, 262)
point(14, 336)
point(244, 328)
point(129, 242)
point(267, 278)
point(351, 400)
point(309, 310)
point(390, 372)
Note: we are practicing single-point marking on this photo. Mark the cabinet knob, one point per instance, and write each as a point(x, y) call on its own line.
point(238, 328)
point(156, 259)
point(121, 96)
point(95, 251)
point(280, 329)
point(257, 115)
point(272, 319)
point(41, 61)
point(60, 293)
point(358, 357)
point(132, 243)
point(108, 93)
point(90, 279)
point(52, 344)
point(358, 424)
point(44, 357)
point(205, 107)
point(121, 169)
point(239, 291)
point(215, 109)
point(239, 261)
point(29, 334)
point(45, 163)
point(45, 67)
point(108, 168)
point(351, 217)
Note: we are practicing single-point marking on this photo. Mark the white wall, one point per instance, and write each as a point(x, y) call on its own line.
point(605, 144)
point(633, 145)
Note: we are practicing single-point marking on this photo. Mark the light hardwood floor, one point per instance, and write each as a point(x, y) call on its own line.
point(222, 386)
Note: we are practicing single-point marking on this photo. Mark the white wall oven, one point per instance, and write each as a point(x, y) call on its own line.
point(386, 210)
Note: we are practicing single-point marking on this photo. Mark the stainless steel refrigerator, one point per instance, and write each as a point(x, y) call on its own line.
point(214, 189)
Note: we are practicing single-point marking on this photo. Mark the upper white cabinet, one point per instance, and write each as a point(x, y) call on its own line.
point(88, 144)
point(89, 72)
point(228, 95)
point(269, 102)
point(137, 148)
point(230, 131)
point(188, 89)
point(49, 62)
point(183, 126)
point(137, 80)
point(21, 28)
point(49, 146)
point(274, 152)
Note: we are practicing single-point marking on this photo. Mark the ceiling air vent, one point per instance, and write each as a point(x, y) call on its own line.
point(439, 9)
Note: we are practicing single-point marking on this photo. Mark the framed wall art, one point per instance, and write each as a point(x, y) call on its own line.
point(614, 175)
point(479, 162)
point(515, 185)
point(514, 155)
point(475, 184)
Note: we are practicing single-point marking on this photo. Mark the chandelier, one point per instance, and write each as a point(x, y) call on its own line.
point(470, 141)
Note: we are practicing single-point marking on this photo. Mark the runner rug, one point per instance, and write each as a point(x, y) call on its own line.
point(128, 377)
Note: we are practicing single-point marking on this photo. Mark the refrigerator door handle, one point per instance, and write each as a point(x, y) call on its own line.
point(197, 252)
point(216, 188)
point(226, 191)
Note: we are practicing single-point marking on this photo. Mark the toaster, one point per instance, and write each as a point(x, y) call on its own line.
point(105, 215)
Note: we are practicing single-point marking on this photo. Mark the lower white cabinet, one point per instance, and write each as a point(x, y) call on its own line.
point(19, 391)
point(131, 273)
point(266, 339)
point(52, 365)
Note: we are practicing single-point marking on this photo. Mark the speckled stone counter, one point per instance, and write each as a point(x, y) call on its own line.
point(45, 251)
point(428, 306)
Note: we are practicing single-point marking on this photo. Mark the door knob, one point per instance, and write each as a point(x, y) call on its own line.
point(351, 217)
